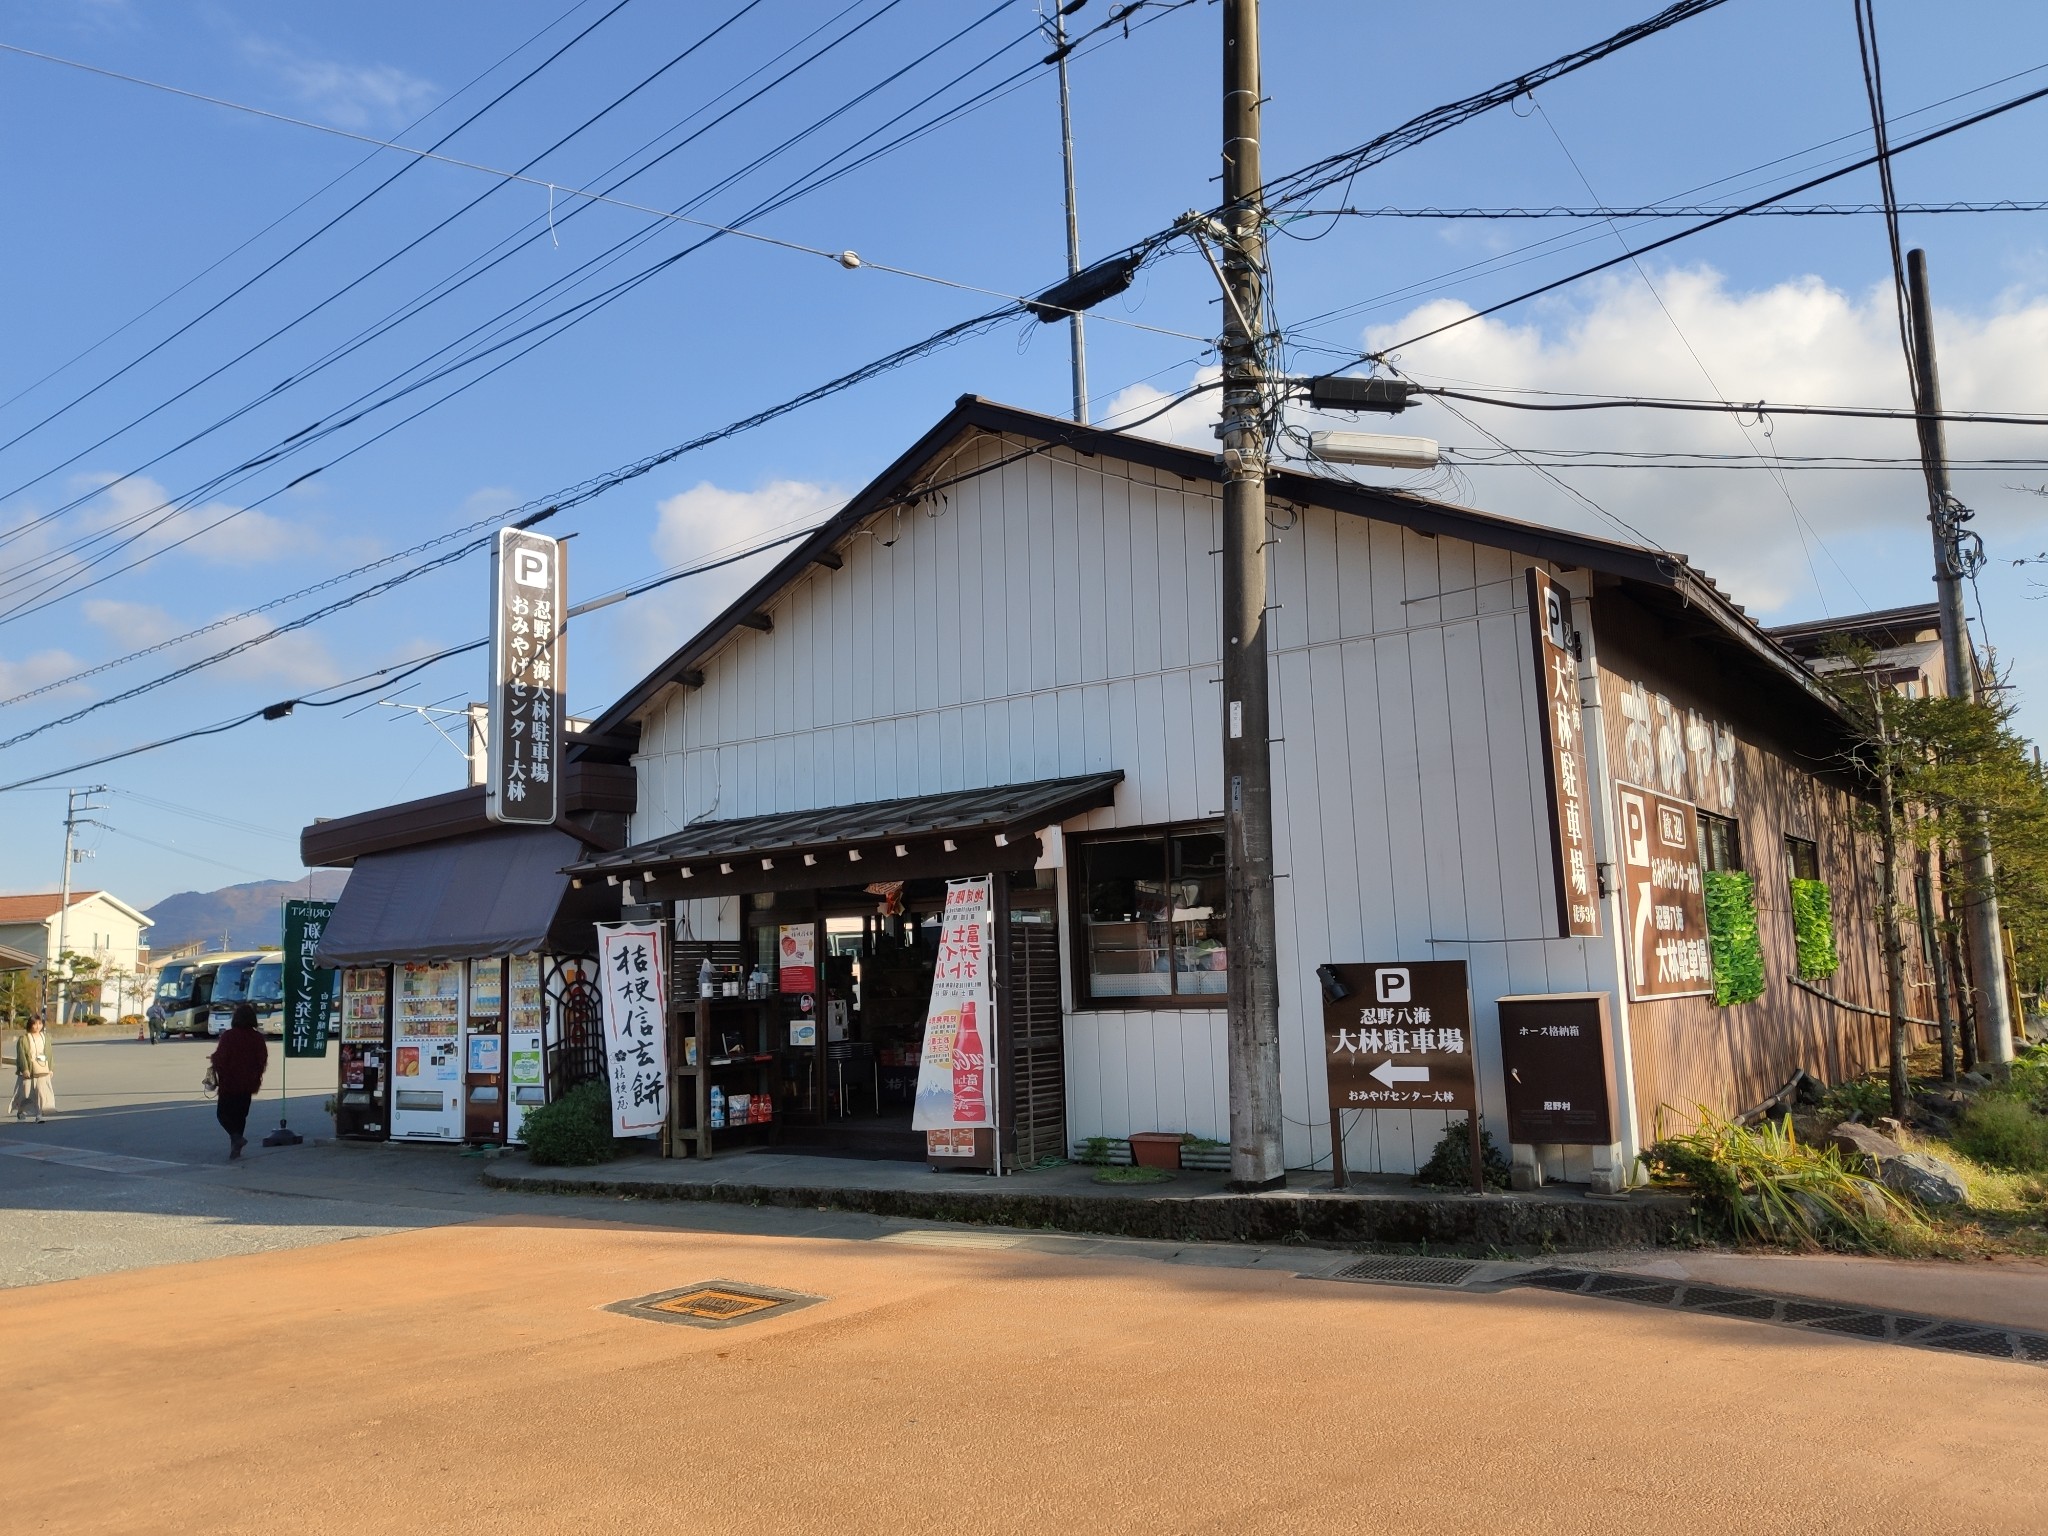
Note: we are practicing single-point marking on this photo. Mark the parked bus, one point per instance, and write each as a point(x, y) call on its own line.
point(206, 986)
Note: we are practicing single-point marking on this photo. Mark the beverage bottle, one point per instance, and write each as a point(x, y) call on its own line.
point(717, 1109)
point(706, 983)
point(970, 1063)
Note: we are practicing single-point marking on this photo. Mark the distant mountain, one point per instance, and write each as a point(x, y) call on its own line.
point(249, 916)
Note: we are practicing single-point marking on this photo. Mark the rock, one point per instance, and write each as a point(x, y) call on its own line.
point(1926, 1180)
point(1862, 1141)
point(1973, 1079)
point(1885, 1125)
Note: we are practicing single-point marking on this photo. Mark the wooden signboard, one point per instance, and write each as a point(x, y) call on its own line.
point(1558, 1055)
point(1564, 760)
point(1664, 900)
point(1398, 1035)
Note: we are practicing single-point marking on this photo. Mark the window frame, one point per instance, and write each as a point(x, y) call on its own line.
point(1085, 999)
point(1708, 820)
point(1792, 859)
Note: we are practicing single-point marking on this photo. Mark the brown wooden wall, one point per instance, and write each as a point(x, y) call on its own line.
point(1786, 782)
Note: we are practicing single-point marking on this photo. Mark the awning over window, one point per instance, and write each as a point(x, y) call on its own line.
point(957, 833)
point(501, 892)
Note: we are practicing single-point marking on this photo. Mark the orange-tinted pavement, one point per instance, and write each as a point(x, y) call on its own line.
point(468, 1379)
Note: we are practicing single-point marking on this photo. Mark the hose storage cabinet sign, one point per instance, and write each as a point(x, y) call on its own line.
point(523, 746)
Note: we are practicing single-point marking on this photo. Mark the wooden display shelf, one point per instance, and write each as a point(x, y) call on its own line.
point(759, 1070)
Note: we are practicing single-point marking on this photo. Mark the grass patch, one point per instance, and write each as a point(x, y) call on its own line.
point(1133, 1175)
point(2003, 1131)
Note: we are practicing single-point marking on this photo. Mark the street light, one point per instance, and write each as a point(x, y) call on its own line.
point(1375, 448)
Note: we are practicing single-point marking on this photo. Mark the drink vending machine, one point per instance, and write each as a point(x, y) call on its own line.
point(361, 1110)
point(483, 1055)
point(426, 1046)
point(524, 1044)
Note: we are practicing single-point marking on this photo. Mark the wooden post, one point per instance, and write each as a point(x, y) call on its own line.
point(1478, 1146)
point(1340, 1176)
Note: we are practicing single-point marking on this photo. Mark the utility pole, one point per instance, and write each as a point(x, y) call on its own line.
point(1059, 37)
point(74, 814)
point(1957, 554)
point(1256, 1157)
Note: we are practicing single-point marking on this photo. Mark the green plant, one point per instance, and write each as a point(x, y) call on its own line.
point(1196, 1143)
point(1095, 1152)
point(1450, 1164)
point(1761, 1182)
point(1732, 936)
point(1132, 1175)
point(2004, 1131)
point(1867, 1097)
point(1813, 929)
point(574, 1131)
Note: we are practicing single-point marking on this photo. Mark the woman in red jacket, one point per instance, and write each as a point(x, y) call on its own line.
point(239, 1062)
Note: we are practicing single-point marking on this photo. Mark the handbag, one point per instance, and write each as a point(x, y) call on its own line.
point(210, 1084)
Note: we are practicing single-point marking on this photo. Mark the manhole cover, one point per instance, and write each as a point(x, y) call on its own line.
point(713, 1304)
point(1408, 1271)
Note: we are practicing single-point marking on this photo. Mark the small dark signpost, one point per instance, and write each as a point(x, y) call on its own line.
point(1558, 1055)
point(1398, 1035)
point(523, 744)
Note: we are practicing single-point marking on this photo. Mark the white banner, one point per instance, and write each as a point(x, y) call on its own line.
point(954, 1084)
point(635, 1025)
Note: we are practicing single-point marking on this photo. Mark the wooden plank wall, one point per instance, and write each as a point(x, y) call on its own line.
point(1057, 616)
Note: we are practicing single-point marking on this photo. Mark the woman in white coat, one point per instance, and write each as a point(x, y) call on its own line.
point(35, 1091)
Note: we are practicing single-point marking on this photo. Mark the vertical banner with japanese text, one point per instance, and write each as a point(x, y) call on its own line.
point(523, 747)
point(307, 988)
point(1665, 911)
point(953, 1083)
point(1564, 761)
point(635, 1028)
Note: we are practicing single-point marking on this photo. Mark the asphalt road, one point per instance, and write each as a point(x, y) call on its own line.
point(362, 1338)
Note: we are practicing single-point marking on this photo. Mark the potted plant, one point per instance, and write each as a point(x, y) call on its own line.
point(1156, 1149)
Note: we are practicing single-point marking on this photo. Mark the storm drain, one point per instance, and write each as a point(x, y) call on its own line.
point(1992, 1343)
point(1397, 1271)
point(713, 1304)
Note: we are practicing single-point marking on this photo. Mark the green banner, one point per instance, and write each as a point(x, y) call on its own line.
point(306, 986)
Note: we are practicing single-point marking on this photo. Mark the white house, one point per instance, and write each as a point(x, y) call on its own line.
point(1003, 655)
point(98, 926)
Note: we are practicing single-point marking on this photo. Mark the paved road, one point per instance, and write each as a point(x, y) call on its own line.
point(329, 1338)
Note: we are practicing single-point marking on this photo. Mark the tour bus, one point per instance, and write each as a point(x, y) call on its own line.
point(174, 985)
point(214, 978)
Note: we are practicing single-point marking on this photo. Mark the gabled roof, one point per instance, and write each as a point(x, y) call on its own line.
point(41, 906)
point(1666, 579)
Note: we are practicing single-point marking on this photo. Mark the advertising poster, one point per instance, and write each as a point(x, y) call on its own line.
point(635, 1032)
point(485, 1055)
point(797, 958)
point(408, 1061)
point(306, 986)
point(526, 1069)
point(953, 1081)
point(1665, 896)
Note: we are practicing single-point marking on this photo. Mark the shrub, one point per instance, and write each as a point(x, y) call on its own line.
point(1868, 1097)
point(2005, 1132)
point(1450, 1165)
point(1813, 929)
point(574, 1131)
point(1732, 936)
point(1762, 1182)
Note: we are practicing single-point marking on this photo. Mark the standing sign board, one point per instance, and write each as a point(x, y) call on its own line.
point(796, 955)
point(635, 1035)
point(523, 775)
point(1664, 896)
point(1564, 762)
point(1398, 1035)
point(307, 988)
point(954, 1088)
point(1558, 1056)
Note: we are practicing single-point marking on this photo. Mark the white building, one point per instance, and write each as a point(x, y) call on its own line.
point(98, 926)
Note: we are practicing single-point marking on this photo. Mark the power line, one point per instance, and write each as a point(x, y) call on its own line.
point(1678, 211)
point(1759, 408)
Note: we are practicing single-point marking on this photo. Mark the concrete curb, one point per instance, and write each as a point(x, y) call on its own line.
point(1496, 1223)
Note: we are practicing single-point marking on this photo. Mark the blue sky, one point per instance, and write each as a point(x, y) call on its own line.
point(122, 197)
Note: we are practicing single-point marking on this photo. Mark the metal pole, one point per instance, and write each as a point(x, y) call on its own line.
point(1059, 32)
point(64, 908)
point(1256, 1157)
point(1980, 889)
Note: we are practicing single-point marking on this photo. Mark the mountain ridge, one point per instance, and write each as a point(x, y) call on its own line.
point(245, 916)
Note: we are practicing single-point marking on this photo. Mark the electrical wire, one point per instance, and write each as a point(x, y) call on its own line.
point(1676, 211)
point(1758, 408)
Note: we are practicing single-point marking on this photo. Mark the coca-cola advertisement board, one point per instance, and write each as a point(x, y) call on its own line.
point(955, 1088)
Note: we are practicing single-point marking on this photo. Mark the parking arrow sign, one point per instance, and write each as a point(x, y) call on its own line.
point(1390, 1074)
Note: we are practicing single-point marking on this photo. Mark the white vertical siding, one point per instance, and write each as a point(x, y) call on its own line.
point(1057, 616)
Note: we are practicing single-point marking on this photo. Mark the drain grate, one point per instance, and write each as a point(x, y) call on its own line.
point(1794, 1312)
point(713, 1304)
point(1408, 1271)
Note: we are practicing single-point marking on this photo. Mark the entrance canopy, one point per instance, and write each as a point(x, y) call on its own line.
point(962, 832)
point(491, 893)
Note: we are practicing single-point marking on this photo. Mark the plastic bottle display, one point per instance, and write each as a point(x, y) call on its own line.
point(717, 1108)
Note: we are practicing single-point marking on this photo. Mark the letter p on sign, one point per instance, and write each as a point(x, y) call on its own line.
point(1390, 984)
point(530, 567)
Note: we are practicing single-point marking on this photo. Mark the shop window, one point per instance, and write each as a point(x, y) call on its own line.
point(1150, 920)
point(1720, 842)
point(1802, 855)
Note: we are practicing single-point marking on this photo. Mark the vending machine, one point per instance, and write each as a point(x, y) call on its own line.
point(525, 1046)
point(361, 1100)
point(426, 1051)
point(483, 1055)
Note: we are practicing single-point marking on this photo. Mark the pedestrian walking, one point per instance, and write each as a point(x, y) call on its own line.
point(35, 1086)
point(156, 1017)
point(239, 1062)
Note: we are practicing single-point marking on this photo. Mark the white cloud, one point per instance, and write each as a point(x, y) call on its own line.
point(299, 659)
point(358, 96)
point(1191, 423)
point(36, 669)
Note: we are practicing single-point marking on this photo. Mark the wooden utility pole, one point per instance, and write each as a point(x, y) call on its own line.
point(1946, 514)
point(1256, 1157)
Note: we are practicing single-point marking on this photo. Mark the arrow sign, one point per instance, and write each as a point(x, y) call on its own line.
point(1390, 1074)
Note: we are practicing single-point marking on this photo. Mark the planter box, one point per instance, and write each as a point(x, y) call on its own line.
point(1156, 1149)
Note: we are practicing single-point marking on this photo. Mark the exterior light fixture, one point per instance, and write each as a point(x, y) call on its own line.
point(611, 879)
point(647, 876)
point(1002, 839)
point(951, 846)
point(686, 872)
point(853, 855)
point(809, 860)
point(1375, 448)
point(767, 863)
point(725, 869)
point(902, 852)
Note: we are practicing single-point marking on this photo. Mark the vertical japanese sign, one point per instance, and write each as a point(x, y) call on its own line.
point(797, 958)
point(529, 581)
point(1564, 761)
point(1665, 896)
point(953, 1085)
point(306, 986)
point(635, 1032)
